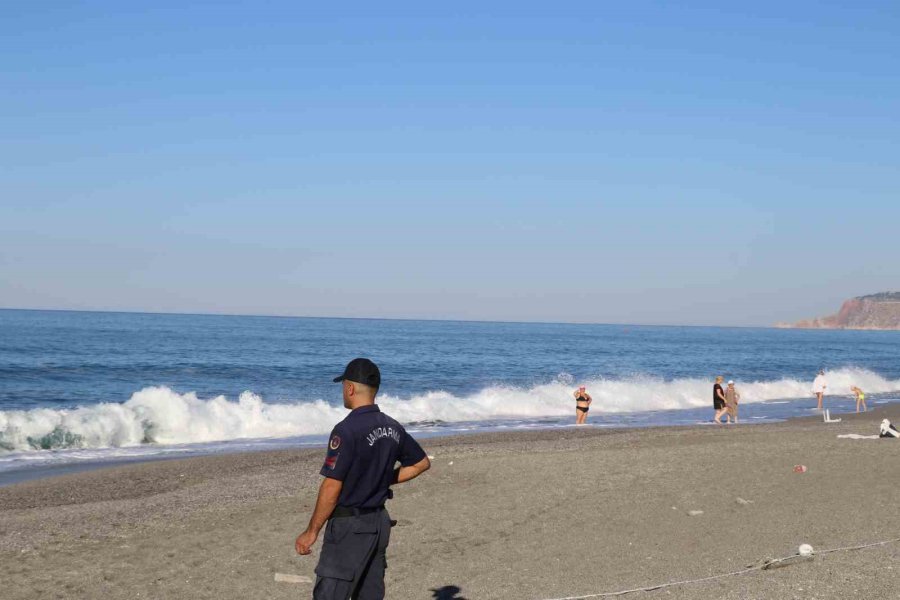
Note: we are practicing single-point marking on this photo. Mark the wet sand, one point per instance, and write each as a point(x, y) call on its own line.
point(527, 515)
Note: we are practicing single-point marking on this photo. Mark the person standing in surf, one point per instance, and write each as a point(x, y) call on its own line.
point(732, 397)
point(582, 405)
point(860, 398)
point(719, 403)
point(819, 386)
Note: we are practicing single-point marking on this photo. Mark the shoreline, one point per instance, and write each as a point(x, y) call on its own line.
point(517, 514)
point(33, 472)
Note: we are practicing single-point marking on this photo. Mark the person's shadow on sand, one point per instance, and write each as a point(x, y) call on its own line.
point(448, 592)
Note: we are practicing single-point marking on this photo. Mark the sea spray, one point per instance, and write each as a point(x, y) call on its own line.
point(159, 415)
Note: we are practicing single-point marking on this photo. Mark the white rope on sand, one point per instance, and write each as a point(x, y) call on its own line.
point(766, 564)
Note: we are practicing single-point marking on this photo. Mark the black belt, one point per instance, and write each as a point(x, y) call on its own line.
point(346, 511)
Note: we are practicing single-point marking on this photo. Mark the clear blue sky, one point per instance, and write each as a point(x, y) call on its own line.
point(641, 162)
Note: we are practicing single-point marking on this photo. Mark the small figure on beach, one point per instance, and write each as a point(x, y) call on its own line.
point(719, 403)
point(732, 398)
point(820, 384)
point(860, 398)
point(359, 470)
point(582, 405)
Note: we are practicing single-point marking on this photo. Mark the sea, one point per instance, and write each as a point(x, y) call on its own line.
point(81, 389)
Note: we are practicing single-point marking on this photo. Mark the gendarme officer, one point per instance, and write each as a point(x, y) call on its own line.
point(359, 469)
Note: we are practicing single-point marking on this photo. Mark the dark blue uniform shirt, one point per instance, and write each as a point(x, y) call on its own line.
point(362, 452)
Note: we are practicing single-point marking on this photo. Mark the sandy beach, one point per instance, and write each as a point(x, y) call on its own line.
point(534, 515)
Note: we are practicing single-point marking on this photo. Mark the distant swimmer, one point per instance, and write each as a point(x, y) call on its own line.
point(719, 404)
point(732, 398)
point(360, 468)
point(860, 398)
point(582, 405)
point(820, 384)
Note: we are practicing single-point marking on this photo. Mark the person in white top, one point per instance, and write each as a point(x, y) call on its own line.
point(819, 386)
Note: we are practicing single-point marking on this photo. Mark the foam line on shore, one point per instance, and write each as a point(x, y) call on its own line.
point(159, 415)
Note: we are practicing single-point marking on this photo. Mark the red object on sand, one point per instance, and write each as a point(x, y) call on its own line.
point(799, 468)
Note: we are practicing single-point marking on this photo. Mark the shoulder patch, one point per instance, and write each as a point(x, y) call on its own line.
point(335, 442)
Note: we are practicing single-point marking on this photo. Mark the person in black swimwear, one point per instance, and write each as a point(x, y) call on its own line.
point(719, 403)
point(582, 405)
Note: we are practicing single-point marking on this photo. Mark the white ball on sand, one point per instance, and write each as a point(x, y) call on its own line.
point(805, 550)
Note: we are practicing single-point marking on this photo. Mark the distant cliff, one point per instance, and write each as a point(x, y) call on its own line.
point(878, 311)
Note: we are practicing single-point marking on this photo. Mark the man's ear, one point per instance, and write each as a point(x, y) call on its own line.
point(351, 389)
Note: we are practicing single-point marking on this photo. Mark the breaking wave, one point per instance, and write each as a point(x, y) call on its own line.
point(159, 415)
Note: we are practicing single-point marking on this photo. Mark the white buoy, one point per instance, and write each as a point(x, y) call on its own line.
point(805, 550)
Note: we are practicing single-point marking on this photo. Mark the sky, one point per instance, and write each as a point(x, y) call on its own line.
point(634, 162)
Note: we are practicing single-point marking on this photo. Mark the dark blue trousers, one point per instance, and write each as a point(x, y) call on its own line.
point(353, 561)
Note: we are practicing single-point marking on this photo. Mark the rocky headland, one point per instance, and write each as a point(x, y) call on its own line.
point(876, 311)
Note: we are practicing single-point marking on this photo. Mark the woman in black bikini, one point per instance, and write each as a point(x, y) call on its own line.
point(582, 405)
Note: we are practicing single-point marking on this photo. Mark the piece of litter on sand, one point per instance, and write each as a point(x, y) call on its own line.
point(430, 457)
point(743, 502)
point(799, 468)
point(450, 464)
point(695, 513)
point(674, 508)
point(287, 578)
point(856, 436)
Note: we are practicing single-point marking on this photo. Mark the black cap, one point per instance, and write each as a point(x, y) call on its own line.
point(361, 370)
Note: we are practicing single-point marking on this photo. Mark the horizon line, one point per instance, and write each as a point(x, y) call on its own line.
point(412, 319)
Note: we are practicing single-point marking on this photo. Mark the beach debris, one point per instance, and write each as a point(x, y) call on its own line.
point(856, 436)
point(450, 464)
point(743, 502)
point(287, 578)
point(827, 417)
point(800, 469)
point(763, 565)
point(888, 430)
point(694, 513)
point(430, 457)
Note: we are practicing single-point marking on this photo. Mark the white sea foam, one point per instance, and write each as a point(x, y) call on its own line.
point(161, 416)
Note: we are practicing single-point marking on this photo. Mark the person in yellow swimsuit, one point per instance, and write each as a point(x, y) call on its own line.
point(860, 398)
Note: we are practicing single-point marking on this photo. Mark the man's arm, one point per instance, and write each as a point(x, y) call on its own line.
point(329, 492)
point(404, 474)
